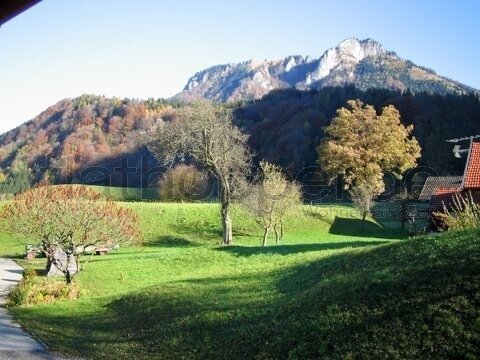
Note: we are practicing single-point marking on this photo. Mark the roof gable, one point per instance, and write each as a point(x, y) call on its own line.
point(471, 179)
point(434, 182)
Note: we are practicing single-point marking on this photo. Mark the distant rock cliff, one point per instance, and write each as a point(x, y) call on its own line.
point(364, 63)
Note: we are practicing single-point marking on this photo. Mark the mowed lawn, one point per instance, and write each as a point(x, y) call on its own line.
point(188, 285)
point(181, 295)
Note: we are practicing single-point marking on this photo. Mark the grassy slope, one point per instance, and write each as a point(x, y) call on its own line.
point(413, 299)
point(328, 290)
point(128, 193)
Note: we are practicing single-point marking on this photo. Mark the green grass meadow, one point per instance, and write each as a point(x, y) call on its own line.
point(329, 290)
point(128, 193)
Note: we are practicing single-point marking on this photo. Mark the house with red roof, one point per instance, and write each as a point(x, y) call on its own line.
point(442, 191)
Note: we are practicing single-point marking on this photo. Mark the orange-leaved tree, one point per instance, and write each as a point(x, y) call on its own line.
point(361, 145)
point(71, 219)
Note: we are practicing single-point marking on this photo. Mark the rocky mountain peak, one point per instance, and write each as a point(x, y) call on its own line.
point(347, 54)
point(360, 49)
point(364, 63)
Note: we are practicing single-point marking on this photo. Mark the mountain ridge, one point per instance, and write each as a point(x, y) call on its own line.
point(285, 126)
point(363, 63)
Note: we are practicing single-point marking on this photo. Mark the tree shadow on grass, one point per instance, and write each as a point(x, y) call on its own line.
point(41, 271)
point(187, 318)
point(181, 319)
point(295, 249)
point(390, 302)
point(357, 228)
point(76, 333)
point(169, 241)
point(198, 232)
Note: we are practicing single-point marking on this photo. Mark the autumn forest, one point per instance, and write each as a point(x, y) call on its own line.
point(98, 140)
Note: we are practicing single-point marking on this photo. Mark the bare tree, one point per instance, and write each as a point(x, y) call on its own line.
point(362, 196)
point(271, 197)
point(205, 133)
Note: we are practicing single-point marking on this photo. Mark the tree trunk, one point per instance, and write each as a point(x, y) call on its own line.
point(277, 235)
point(68, 277)
point(281, 229)
point(68, 274)
point(225, 213)
point(77, 261)
point(364, 216)
point(49, 253)
point(226, 224)
point(49, 262)
point(265, 236)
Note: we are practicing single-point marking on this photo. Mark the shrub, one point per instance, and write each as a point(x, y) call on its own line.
point(34, 290)
point(183, 183)
point(464, 214)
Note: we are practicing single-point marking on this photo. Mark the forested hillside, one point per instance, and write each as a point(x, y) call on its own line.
point(83, 139)
point(98, 140)
point(286, 125)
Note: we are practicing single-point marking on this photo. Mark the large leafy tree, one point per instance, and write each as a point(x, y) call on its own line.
point(69, 218)
point(361, 146)
point(205, 133)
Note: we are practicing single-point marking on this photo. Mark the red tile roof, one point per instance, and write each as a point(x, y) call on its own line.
point(471, 179)
point(443, 196)
point(433, 182)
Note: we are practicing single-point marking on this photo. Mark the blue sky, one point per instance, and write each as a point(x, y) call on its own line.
point(147, 48)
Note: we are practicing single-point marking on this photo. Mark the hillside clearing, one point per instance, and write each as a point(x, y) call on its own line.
point(181, 295)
